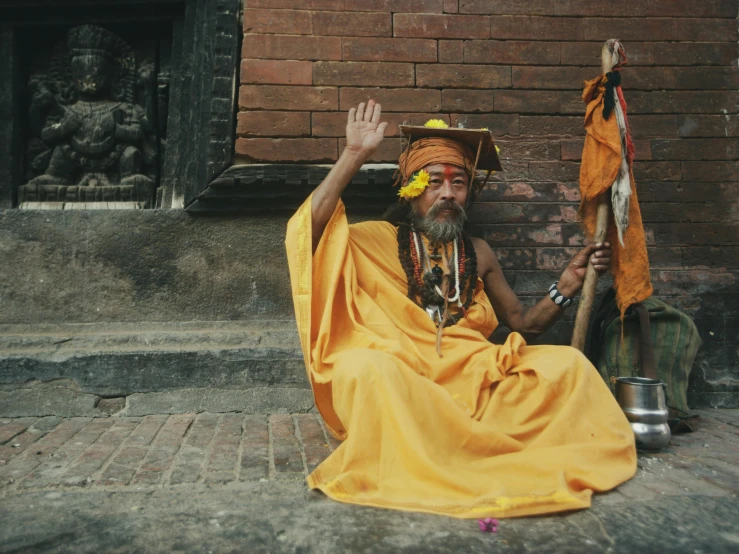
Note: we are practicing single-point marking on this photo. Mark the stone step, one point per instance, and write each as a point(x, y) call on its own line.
point(66, 369)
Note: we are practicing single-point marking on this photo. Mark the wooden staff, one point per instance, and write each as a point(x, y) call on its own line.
point(608, 58)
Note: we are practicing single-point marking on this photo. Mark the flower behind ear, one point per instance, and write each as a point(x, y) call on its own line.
point(418, 183)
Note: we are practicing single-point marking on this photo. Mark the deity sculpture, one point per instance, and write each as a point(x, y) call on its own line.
point(89, 130)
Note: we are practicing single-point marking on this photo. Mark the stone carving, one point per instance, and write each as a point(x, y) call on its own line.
point(96, 123)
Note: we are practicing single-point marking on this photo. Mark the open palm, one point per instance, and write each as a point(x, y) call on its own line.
point(364, 132)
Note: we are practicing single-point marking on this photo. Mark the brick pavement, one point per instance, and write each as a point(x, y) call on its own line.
point(218, 449)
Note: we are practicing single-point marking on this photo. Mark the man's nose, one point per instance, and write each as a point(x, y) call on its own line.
point(446, 192)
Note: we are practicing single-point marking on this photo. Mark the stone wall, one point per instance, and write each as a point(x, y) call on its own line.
point(517, 68)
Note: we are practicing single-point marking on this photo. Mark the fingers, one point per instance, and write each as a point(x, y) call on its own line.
point(376, 113)
point(381, 128)
point(360, 112)
point(352, 116)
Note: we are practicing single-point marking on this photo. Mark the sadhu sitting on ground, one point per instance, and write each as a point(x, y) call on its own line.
point(394, 319)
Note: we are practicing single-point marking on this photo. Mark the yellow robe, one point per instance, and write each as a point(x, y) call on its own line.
point(485, 431)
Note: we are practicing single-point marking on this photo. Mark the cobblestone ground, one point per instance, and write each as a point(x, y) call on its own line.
point(191, 454)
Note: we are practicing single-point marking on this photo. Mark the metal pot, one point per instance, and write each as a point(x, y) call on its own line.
point(643, 402)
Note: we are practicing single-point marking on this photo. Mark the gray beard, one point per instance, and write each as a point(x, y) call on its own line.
point(440, 230)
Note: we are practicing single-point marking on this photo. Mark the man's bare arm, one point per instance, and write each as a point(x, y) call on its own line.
point(364, 132)
point(533, 321)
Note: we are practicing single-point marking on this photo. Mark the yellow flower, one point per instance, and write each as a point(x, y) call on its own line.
point(416, 185)
point(436, 124)
point(497, 149)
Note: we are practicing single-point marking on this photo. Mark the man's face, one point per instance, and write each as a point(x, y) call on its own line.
point(439, 210)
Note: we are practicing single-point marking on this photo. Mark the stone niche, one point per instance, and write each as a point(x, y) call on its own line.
point(115, 104)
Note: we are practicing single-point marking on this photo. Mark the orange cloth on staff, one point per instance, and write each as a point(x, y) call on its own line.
point(486, 430)
point(601, 159)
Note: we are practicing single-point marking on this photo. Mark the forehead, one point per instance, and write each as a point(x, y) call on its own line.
point(447, 169)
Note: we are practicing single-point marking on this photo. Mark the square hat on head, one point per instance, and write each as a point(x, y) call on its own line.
point(479, 140)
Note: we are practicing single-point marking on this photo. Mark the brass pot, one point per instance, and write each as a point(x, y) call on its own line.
point(643, 402)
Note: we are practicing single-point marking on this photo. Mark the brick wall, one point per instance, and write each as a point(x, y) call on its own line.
point(517, 67)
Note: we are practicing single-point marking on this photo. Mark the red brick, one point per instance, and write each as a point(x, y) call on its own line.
point(315, 445)
point(694, 102)
point(499, 124)
point(628, 29)
point(649, 78)
point(333, 124)
point(387, 152)
point(554, 171)
point(440, 26)
point(290, 47)
point(285, 22)
point(536, 28)
point(276, 72)
point(392, 99)
point(297, 4)
point(456, 100)
point(656, 171)
point(273, 124)
point(527, 101)
point(451, 6)
point(255, 453)
point(563, 78)
point(694, 53)
point(707, 78)
point(451, 51)
point(627, 8)
point(363, 74)
point(285, 447)
point(588, 53)
point(696, 149)
point(714, 172)
point(520, 234)
point(529, 149)
point(287, 150)
point(352, 24)
point(268, 97)
point(690, 8)
point(709, 30)
point(396, 6)
point(463, 76)
point(389, 50)
point(708, 125)
point(511, 52)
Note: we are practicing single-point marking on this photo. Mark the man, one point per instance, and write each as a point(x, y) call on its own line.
point(394, 318)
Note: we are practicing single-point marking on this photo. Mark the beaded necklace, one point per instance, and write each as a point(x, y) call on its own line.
point(433, 276)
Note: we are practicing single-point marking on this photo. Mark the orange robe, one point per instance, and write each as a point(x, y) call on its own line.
point(486, 430)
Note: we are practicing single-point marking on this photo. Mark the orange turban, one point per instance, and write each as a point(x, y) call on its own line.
point(435, 150)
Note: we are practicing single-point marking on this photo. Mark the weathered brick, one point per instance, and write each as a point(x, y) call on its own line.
point(515, 52)
point(363, 74)
point(637, 102)
point(463, 76)
point(517, 234)
point(710, 171)
point(536, 125)
point(694, 53)
point(189, 461)
point(628, 8)
point(688, 8)
point(291, 47)
point(392, 100)
point(707, 78)
point(710, 256)
point(315, 446)
point(562, 78)
point(19, 442)
point(588, 53)
point(287, 150)
point(695, 102)
point(273, 124)
point(708, 125)
point(122, 468)
point(630, 29)
point(298, 4)
point(12, 427)
point(387, 152)
point(529, 150)
point(397, 6)
point(653, 126)
point(666, 212)
point(695, 149)
point(526, 101)
point(515, 258)
point(497, 212)
point(499, 124)
point(267, 97)
point(519, 191)
point(284, 22)
point(464, 100)
point(285, 447)
point(440, 26)
point(723, 194)
point(277, 72)
point(352, 24)
point(705, 29)
point(451, 6)
point(656, 171)
point(222, 461)
point(513, 170)
point(255, 449)
point(333, 124)
point(554, 171)
point(162, 452)
point(389, 49)
point(650, 78)
point(451, 51)
point(536, 28)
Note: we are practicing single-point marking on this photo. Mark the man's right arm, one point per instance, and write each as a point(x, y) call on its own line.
point(364, 132)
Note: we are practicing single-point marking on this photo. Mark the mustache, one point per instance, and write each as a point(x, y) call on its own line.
point(450, 205)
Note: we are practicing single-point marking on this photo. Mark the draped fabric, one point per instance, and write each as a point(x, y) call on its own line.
point(485, 430)
point(602, 165)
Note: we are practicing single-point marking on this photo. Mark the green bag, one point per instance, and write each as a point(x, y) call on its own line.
point(674, 343)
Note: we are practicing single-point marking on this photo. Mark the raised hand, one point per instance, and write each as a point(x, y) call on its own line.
point(364, 131)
